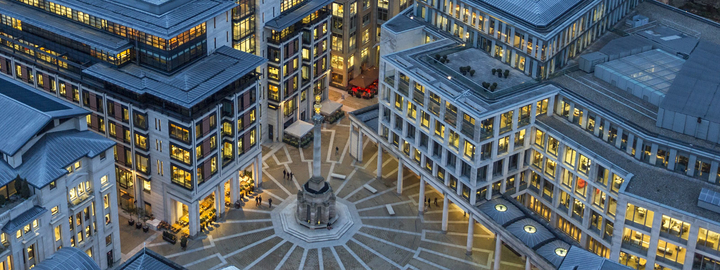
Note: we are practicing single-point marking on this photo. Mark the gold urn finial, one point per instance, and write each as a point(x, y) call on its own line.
point(317, 105)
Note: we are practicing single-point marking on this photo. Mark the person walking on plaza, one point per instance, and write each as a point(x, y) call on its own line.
point(291, 175)
point(428, 203)
point(336, 150)
point(270, 202)
point(256, 201)
point(436, 202)
point(259, 201)
point(284, 175)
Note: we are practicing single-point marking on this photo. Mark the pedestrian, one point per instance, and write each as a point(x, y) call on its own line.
point(259, 200)
point(436, 202)
point(256, 201)
point(284, 175)
point(428, 202)
point(336, 150)
point(291, 175)
point(270, 202)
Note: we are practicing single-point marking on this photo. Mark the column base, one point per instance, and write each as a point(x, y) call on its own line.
point(468, 253)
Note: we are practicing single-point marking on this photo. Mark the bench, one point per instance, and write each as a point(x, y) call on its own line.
point(390, 209)
point(338, 176)
point(369, 188)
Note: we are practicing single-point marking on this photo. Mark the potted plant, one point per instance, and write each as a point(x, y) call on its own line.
point(140, 213)
point(494, 71)
point(493, 86)
point(486, 85)
point(130, 212)
point(472, 73)
point(507, 73)
point(183, 242)
point(437, 57)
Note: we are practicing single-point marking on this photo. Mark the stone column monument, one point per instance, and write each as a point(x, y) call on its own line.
point(316, 200)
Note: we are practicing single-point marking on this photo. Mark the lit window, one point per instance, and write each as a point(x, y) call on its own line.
point(27, 228)
point(107, 219)
point(18, 234)
point(36, 224)
point(78, 164)
point(106, 201)
point(58, 235)
point(55, 210)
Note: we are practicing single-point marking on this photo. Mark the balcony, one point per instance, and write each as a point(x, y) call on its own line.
point(468, 129)
point(390, 80)
point(635, 245)
point(80, 199)
point(637, 225)
point(669, 262)
point(419, 97)
point(403, 88)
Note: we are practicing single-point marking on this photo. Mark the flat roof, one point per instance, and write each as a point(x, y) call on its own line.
point(25, 111)
point(653, 69)
point(291, 17)
point(695, 90)
point(637, 112)
point(83, 33)
point(419, 63)
point(655, 184)
point(187, 87)
point(165, 25)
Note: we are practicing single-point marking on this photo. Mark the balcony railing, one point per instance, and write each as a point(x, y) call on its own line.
point(468, 129)
point(81, 198)
point(403, 88)
point(390, 80)
point(630, 244)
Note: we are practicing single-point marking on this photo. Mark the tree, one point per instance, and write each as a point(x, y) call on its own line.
point(472, 73)
point(486, 84)
point(18, 183)
point(494, 71)
point(507, 72)
point(25, 190)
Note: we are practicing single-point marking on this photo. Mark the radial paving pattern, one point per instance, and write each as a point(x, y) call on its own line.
point(246, 238)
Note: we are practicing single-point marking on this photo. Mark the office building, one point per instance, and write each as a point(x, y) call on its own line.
point(57, 182)
point(295, 38)
point(162, 81)
point(616, 153)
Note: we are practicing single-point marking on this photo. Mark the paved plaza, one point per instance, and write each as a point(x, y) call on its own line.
point(246, 237)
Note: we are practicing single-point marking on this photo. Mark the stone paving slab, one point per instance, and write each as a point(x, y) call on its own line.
point(370, 259)
point(246, 237)
point(311, 261)
point(329, 261)
point(293, 261)
point(273, 259)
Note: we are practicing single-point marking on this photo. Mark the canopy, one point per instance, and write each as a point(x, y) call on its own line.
point(366, 78)
point(329, 107)
point(299, 129)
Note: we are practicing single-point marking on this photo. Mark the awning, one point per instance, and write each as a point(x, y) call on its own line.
point(299, 129)
point(329, 107)
point(366, 78)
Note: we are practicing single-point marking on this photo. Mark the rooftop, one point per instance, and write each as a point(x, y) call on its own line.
point(187, 87)
point(652, 183)
point(420, 63)
point(165, 22)
point(47, 159)
point(653, 69)
point(695, 90)
point(538, 13)
point(68, 258)
point(296, 14)
point(85, 34)
point(148, 259)
point(25, 112)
